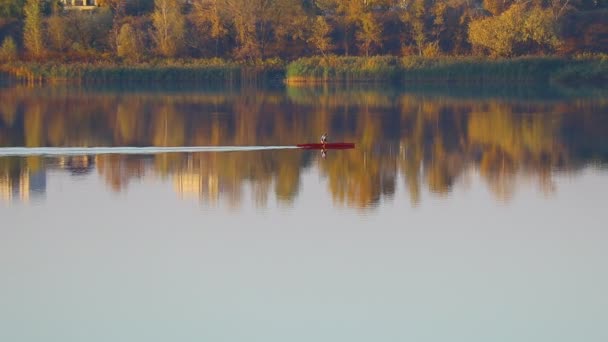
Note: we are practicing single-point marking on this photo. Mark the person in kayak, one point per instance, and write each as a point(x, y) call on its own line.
point(324, 139)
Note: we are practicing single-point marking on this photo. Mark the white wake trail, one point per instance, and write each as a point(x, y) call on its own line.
point(70, 151)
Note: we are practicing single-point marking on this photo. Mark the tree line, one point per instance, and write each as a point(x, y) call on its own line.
point(138, 30)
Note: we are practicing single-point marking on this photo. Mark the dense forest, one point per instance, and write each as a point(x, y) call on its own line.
point(133, 31)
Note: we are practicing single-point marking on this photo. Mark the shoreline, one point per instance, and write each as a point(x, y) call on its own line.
point(311, 71)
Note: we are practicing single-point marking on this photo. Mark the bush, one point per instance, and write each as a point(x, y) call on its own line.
point(8, 50)
point(587, 71)
point(440, 69)
point(335, 68)
point(129, 44)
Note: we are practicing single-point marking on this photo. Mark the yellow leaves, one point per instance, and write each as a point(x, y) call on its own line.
point(518, 30)
point(539, 27)
point(431, 50)
point(370, 34)
point(498, 34)
point(211, 12)
point(129, 44)
point(169, 27)
point(496, 7)
point(32, 31)
point(320, 37)
point(8, 50)
point(439, 10)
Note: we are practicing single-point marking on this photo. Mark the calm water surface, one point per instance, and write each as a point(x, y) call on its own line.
point(461, 215)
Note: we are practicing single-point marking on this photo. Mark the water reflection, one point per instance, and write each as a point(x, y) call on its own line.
point(432, 141)
point(20, 183)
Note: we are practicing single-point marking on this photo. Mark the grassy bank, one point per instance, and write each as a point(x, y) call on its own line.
point(586, 70)
point(201, 71)
point(448, 69)
point(344, 69)
point(583, 72)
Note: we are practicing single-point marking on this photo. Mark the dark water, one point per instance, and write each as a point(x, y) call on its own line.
point(463, 214)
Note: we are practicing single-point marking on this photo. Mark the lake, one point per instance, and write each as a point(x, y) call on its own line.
point(462, 214)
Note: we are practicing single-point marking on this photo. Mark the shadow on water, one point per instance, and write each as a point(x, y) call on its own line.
point(429, 138)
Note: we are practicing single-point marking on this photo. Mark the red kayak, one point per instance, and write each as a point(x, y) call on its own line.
point(327, 146)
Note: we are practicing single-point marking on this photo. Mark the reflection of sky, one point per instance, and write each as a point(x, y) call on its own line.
point(89, 264)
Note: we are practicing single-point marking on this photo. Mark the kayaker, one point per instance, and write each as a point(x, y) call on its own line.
point(324, 138)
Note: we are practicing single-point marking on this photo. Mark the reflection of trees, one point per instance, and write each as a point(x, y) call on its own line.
point(118, 170)
point(20, 178)
point(510, 143)
point(430, 142)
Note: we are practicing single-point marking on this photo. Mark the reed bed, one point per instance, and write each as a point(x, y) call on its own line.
point(584, 72)
point(587, 69)
point(346, 69)
point(475, 70)
point(413, 69)
point(201, 71)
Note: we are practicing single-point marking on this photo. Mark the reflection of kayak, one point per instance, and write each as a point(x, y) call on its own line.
point(327, 146)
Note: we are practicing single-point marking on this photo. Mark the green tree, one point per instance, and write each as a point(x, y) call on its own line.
point(8, 51)
point(32, 30)
point(169, 27)
point(11, 8)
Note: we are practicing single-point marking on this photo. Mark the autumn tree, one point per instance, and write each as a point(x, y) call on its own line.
point(518, 30)
point(8, 50)
point(496, 7)
point(413, 15)
point(243, 17)
point(88, 30)
point(289, 22)
point(539, 33)
point(32, 30)
point(559, 7)
point(320, 37)
point(118, 10)
point(56, 32)
point(169, 27)
point(370, 33)
point(212, 14)
point(11, 8)
point(346, 13)
point(129, 44)
point(496, 34)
